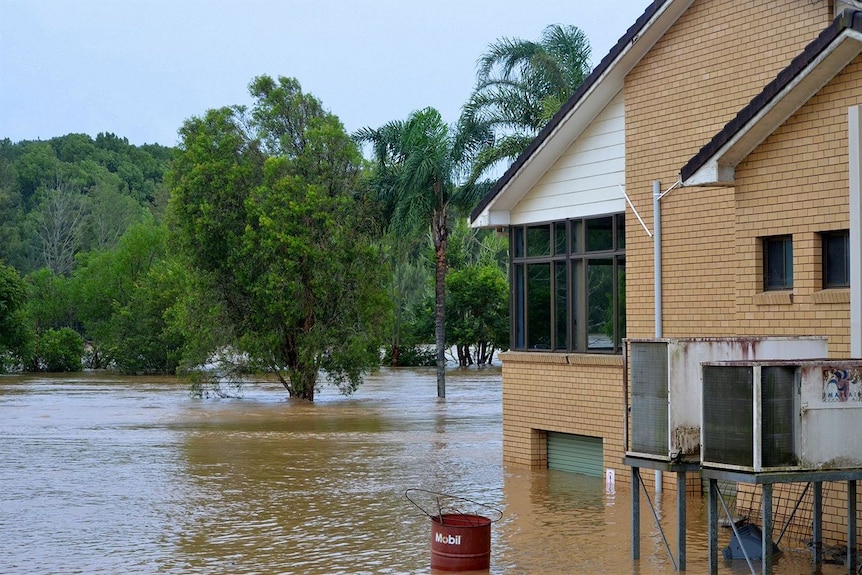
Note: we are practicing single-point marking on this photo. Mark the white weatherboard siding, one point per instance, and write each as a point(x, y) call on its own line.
point(586, 179)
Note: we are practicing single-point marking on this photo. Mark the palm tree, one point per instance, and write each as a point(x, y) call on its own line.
point(422, 166)
point(521, 84)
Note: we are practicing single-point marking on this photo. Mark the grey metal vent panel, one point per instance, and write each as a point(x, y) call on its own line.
point(728, 415)
point(777, 415)
point(649, 403)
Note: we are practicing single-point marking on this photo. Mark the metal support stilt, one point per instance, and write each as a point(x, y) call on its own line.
point(817, 528)
point(636, 514)
point(712, 529)
point(637, 464)
point(767, 481)
point(680, 519)
point(766, 517)
point(660, 529)
point(851, 526)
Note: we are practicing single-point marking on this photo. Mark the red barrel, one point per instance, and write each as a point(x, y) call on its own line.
point(460, 542)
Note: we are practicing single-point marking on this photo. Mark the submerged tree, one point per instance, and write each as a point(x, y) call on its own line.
point(477, 313)
point(122, 298)
point(264, 209)
point(422, 167)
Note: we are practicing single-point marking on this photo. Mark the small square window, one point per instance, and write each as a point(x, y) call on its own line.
point(836, 259)
point(777, 263)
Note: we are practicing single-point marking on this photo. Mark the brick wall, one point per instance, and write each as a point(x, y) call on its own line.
point(698, 76)
point(796, 183)
point(695, 79)
point(569, 393)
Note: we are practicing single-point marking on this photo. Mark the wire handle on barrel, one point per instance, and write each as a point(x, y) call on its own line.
point(445, 504)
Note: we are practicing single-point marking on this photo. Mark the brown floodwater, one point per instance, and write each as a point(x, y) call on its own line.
point(103, 474)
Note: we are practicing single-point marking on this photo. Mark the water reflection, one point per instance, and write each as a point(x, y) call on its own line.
point(102, 474)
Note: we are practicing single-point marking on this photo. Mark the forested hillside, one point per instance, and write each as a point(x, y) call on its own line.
point(83, 279)
point(73, 194)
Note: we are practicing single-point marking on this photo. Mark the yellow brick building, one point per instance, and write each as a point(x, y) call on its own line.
point(740, 111)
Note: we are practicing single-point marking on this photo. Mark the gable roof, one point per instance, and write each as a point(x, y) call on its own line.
point(591, 97)
point(819, 62)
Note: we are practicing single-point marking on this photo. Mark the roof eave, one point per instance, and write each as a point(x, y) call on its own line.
point(767, 112)
point(597, 91)
point(496, 212)
point(712, 174)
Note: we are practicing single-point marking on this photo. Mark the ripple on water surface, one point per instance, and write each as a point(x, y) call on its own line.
point(105, 474)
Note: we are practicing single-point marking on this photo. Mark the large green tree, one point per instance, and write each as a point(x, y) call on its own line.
point(48, 341)
point(13, 297)
point(122, 300)
point(521, 84)
point(264, 207)
point(422, 168)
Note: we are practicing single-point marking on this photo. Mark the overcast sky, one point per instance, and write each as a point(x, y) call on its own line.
point(139, 68)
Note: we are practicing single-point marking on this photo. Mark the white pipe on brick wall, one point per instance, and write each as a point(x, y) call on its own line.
point(657, 195)
point(656, 238)
point(855, 150)
point(656, 212)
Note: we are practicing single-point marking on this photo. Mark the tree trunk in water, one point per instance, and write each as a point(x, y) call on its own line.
point(465, 358)
point(299, 383)
point(485, 353)
point(440, 232)
point(462, 357)
point(304, 387)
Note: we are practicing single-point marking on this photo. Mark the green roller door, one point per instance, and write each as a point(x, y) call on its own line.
point(575, 453)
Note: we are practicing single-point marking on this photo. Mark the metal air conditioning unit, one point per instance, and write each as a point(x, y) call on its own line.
point(782, 415)
point(664, 400)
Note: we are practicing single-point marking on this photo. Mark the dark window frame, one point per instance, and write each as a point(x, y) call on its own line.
point(569, 263)
point(835, 271)
point(777, 255)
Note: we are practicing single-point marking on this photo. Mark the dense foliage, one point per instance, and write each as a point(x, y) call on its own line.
point(520, 85)
point(265, 207)
point(13, 296)
point(70, 210)
point(265, 242)
point(72, 194)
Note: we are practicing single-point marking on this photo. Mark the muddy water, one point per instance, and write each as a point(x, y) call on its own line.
point(103, 474)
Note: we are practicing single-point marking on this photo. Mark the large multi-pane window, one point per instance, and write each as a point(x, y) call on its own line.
point(836, 259)
point(568, 285)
